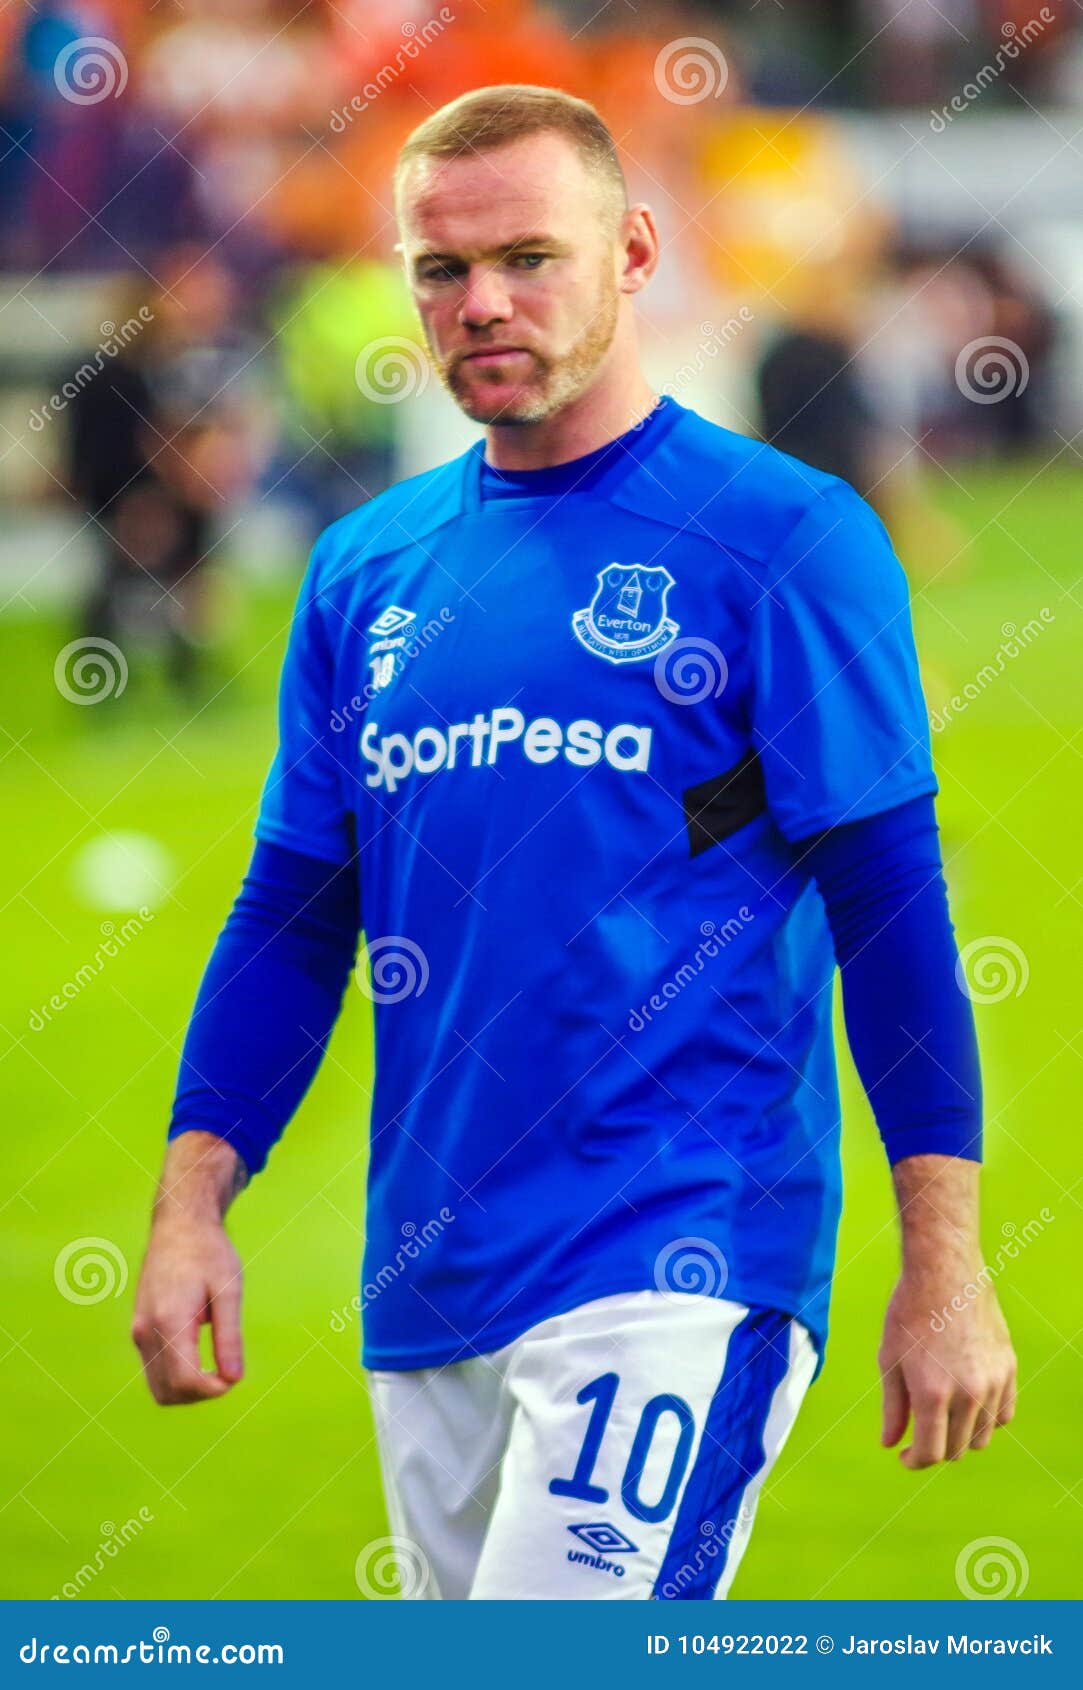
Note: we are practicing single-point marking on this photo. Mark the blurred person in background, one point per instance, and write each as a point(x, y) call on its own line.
point(240, 91)
point(56, 146)
point(161, 445)
point(913, 48)
point(955, 351)
point(812, 402)
point(1021, 329)
point(345, 339)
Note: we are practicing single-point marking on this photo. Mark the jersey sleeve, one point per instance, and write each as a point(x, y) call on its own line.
point(838, 717)
point(303, 806)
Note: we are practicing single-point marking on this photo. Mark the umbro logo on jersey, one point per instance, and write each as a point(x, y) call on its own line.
point(391, 620)
point(391, 628)
point(626, 619)
point(469, 744)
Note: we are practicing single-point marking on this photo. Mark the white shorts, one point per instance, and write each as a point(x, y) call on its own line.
point(616, 1451)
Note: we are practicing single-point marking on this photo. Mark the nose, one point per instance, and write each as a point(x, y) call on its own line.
point(485, 299)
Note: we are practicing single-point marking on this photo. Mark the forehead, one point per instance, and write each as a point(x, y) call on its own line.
point(539, 183)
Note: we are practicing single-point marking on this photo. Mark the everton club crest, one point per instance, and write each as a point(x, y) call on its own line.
point(626, 619)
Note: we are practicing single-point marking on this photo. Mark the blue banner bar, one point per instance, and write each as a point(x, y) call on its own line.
point(596, 1646)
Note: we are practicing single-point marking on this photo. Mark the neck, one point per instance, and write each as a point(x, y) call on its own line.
point(614, 402)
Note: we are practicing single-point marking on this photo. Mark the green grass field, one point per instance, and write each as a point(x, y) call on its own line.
point(274, 1491)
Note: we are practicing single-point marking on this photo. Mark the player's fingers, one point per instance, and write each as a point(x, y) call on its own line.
point(982, 1435)
point(171, 1360)
point(226, 1328)
point(930, 1432)
point(179, 1379)
point(193, 1387)
point(1006, 1411)
point(896, 1407)
point(155, 1336)
point(962, 1419)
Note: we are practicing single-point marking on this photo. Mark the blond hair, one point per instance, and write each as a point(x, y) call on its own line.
point(494, 117)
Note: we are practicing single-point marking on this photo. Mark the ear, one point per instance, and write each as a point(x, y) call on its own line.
point(638, 240)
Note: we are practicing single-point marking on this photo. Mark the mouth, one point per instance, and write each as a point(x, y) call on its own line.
point(488, 357)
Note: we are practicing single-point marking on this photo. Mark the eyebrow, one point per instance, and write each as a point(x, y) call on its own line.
point(521, 243)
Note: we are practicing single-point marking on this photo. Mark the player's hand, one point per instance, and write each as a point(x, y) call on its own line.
point(953, 1371)
point(191, 1276)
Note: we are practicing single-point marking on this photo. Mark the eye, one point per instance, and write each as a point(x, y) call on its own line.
point(438, 273)
point(529, 260)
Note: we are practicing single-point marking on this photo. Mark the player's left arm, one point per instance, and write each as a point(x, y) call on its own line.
point(945, 1358)
point(841, 730)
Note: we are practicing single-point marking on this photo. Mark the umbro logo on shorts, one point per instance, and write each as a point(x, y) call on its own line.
point(604, 1537)
point(599, 1535)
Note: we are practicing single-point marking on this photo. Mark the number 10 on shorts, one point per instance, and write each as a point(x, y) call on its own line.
point(602, 1392)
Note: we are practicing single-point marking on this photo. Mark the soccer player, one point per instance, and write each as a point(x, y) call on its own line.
point(610, 736)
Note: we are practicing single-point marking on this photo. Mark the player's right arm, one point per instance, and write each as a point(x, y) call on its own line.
point(266, 1007)
point(267, 1004)
point(191, 1273)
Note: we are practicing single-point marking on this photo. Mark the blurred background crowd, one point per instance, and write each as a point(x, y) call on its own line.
point(870, 211)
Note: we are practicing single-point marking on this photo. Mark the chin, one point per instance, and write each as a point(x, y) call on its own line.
point(504, 405)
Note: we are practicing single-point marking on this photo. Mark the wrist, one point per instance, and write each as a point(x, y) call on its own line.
point(926, 1274)
point(939, 1217)
point(201, 1177)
